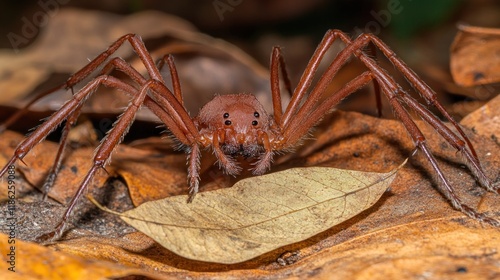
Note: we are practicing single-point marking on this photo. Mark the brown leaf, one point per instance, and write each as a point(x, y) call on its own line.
point(444, 248)
point(258, 214)
point(150, 175)
point(486, 120)
point(474, 56)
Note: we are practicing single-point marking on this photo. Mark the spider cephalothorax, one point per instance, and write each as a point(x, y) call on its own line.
point(236, 126)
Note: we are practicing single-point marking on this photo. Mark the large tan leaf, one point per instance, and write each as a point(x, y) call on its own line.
point(258, 214)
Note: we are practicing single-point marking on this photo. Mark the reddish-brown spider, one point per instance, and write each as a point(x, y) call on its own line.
point(237, 125)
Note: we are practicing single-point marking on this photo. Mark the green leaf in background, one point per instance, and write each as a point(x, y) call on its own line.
point(416, 15)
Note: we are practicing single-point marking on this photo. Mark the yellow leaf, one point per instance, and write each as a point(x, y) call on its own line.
point(25, 260)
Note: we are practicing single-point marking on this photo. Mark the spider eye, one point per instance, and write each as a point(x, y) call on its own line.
point(255, 123)
point(228, 122)
point(256, 114)
point(226, 115)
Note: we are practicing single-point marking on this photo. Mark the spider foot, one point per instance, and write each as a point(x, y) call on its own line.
point(494, 187)
point(53, 235)
point(49, 182)
point(194, 185)
point(263, 164)
point(229, 166)
point(482, 217)
point(193, 190)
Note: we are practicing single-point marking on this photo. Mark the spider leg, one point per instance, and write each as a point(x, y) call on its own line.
point(137, 45)
point(394, 93)
point(161, 101)
point(170, 109)
point(120, 64)
point(418, 138)
point(70, 110)
point(265, 160)
point(227, 163)
point(169, 59)
point(296, 130)
point(179, 114)
point(167, 101)
point(102, 156)
point(295, 107)
point(293, 129)
point(306, 79)
point(275, 85)
point(175, 125)
point(63, 143)
point(51, 123)
point(421, 87)
point(372, 52)
point(71, 120)
point(277, 63)
point(193, 171)
point(355, 47)
point(135, 41)
point(460, 143)
point(456, 142)
point(140, 49)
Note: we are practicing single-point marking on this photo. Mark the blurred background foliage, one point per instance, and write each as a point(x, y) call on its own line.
point(246, 19)
point(420, 31)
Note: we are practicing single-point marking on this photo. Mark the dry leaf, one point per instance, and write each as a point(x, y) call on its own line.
point(258, 214)
point(486, 120)
point(474, 56)
point(165, 173)
point(441, 248)
point(33, 261)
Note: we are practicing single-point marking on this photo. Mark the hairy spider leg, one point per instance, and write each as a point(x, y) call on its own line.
point(278, 63)
point(169, 59)
point(72, 106)
point(102, 156)
point(461, 144)
point(63, 144)
point(293, 130)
